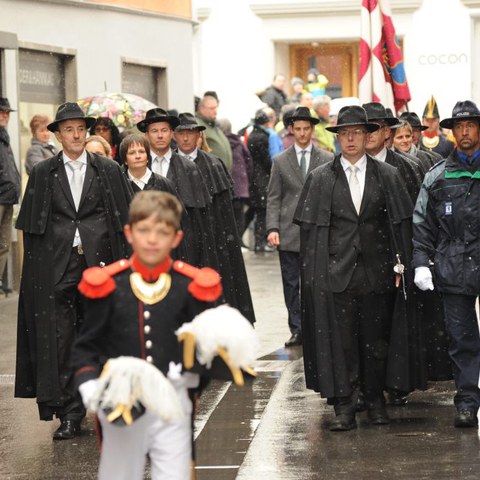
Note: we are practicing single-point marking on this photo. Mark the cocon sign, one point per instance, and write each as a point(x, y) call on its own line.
point(443, 59)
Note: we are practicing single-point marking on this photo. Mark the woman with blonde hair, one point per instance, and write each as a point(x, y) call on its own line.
point(41, 147)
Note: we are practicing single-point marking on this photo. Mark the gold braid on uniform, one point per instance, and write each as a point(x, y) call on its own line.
point(150, 293)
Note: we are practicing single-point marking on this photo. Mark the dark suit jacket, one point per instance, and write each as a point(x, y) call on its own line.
point(284, 188)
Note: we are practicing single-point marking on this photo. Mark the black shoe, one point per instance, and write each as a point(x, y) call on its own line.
point(343, 423)
point(378, 416)
point(67, 430)
point(294, 340)
point(397, 399)
point(465, 419)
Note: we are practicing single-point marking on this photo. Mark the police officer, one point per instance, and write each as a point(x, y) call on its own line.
point(447, 233)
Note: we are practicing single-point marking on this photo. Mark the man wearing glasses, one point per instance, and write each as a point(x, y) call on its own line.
point(354, 213)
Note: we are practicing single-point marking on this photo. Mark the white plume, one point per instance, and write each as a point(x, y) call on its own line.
point(225, 327)
point(130, 381)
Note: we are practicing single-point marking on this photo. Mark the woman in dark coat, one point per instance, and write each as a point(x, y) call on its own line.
point(258, 145)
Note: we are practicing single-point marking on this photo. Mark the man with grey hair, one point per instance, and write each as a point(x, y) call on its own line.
point(326, 139)
point(207, 117)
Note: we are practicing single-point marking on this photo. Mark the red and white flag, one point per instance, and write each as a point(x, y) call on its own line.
point(382, 72)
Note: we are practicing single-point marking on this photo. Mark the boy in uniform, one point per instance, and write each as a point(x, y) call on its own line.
point(133, 308)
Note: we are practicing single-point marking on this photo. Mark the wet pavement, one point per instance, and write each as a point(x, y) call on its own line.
point(271, 429)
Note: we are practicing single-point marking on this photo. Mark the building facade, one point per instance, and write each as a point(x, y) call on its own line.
point(240, 45)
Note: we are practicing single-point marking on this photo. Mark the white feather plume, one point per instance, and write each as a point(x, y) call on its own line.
point(225, 327)
point(130, 381)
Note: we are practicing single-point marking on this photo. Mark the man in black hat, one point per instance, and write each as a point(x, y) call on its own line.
point(287, 177)
point(72, 217)
point(409, 170)
point(354, 215)
point(447, 236)
point(9, 185)
point(190, 187)
point(432, 139)
point(226, 238)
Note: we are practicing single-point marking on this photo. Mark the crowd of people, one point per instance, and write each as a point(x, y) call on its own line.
point(339, 197)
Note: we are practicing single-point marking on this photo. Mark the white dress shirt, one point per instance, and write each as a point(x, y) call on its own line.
point(382, 155)
point(308, 153)
point(161, 167)
point(361, 172)
point(83, 159)
point(192, 155)
point(140, 182)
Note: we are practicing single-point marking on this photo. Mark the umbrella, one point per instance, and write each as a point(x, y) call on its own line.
point(125, 109)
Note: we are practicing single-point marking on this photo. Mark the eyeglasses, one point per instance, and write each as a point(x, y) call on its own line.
point(102, 129)
point(358, 132)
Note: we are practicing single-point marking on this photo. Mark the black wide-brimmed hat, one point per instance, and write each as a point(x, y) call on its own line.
point(188, 122)
point(353, 116)
point(413, 119)
point(466, 110)
point(376, 111)
point(5, 105)
point(70, 111)
point(155, 115)
point(302, 113)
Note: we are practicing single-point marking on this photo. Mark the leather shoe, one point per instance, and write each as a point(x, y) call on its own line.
point(361, 405)
point(343, 423)
point(68, 429)
point(397, 399)
point(294, 340)
point(378, 416)
point(465, 419)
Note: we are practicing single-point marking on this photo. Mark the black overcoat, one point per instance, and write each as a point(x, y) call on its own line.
point(324, 361)
point(227, 240)
point(36, 368)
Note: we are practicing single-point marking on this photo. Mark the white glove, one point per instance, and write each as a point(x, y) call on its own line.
point(423, 278)
point(179, 379)
point(87, 391)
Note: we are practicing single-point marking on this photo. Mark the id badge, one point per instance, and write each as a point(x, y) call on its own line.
point(448, 208)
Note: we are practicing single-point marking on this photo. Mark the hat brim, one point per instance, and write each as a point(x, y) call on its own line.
point(390, 122)
point(90, 122)
point(7, 110)
point(312, 120)
point(371, 127)
point(172, 121)
point(449, 122)
point(198, 128)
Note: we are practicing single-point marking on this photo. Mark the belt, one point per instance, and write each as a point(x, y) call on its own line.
point(78, 250)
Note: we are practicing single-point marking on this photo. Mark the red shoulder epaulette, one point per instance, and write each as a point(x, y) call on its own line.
point(206, 283)
point(98, 282)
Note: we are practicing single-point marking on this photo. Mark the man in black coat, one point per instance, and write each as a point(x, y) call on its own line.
point(354, 214)
point(226, 243)
point(446, 235)
point(274, 95)
point(190, 187)
point(72, 217)
point(408, 170)
point(9, 185)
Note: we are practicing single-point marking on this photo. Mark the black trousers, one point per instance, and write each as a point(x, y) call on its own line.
point(290, 268)
point(363, 320)
point(68, 316)
point(239, 213)
point(464, 349)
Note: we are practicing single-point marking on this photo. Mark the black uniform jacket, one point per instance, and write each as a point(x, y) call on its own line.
point(121, 324)
point(36, 368)
point(324, 362)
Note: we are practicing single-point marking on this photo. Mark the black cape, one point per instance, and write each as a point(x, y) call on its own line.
point(36, 364)
point(324, 361)
point(227, 241)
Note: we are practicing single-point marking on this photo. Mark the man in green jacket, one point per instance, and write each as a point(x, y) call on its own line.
point(206, 116)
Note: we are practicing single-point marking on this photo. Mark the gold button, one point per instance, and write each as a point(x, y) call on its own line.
point(149, 359)
point(146, 315)
point(147, 329)
point(148, 344)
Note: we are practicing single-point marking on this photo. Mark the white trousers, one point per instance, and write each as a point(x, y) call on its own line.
point(124, 449)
